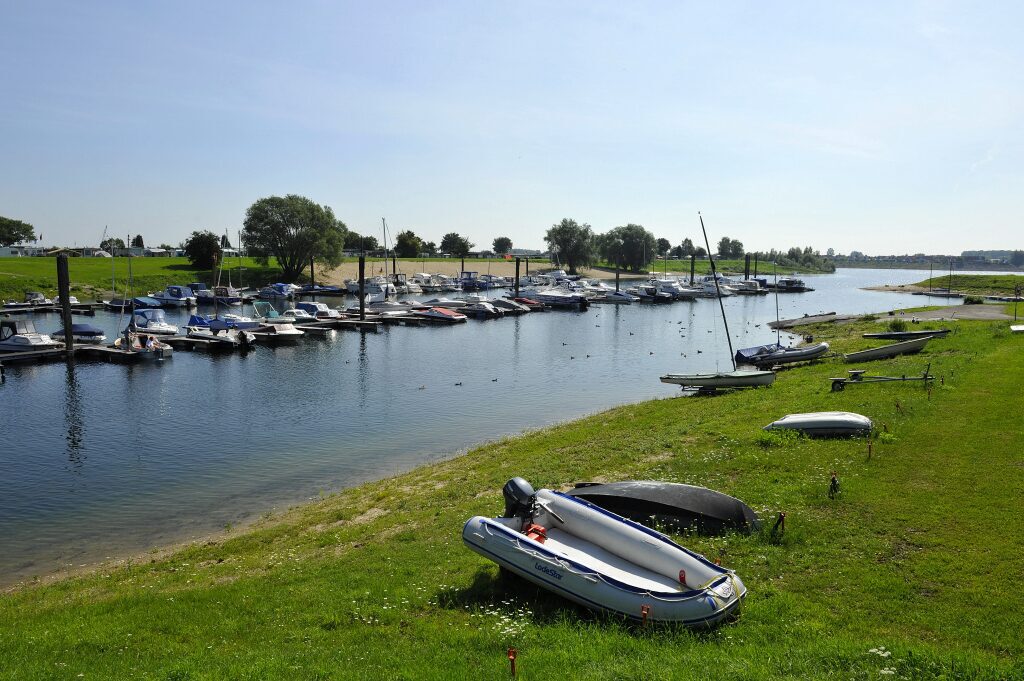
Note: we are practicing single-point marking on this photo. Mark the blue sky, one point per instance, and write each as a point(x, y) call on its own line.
point(881, 127)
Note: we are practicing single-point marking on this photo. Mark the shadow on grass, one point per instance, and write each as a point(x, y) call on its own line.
point(492, 589)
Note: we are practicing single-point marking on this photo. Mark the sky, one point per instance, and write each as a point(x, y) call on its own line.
point(882, 127)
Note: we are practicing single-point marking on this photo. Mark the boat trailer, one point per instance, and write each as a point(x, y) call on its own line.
point(857, 377)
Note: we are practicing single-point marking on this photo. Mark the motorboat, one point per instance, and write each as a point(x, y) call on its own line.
point(152, 321)
point(32, 299)
point(790, 285)
point(748, 287)
point(616, 297)
point(86, 334)
point(402, 283)
point(495, 281)
point(19, 335)
point(534, 305)
point(558, 298)
point(824, 424)
point(297, 316)
point(675, 289)
point(481, 310)
point(471, 281)
point(278, 291)
point(227, 296)
point(670, 505)
point(902, 348)
point(322, 290)
point(447, 284)
point(372, 286)
point(908, 335)
point(145, 345)
point(442, 315)
point(266, 314)
point(175, 296)
point(721, 380)
point(218, 334)
point(452, 304)
point(509, 307)
point(770, 355)
point(233, 321)
point(648, 293)
point(601, 560)
point(426, 282)
point(279, 333)
point(319, 310)
point(130, 304)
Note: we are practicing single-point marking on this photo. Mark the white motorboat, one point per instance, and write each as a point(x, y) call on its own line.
point(152, 321)
point(32, 299)
point(904, 348)
point(824, 423)
point(447, 284)
point(175, 296)
point(441, 315)
point(509, 306)
point(279, 333)
point(19, 335)
point(648, 293)
point(86, 334)
point(603, 561)
point(319, 310)
point(297, 316)
point(557, 298)
point(447, 302)
point(722, 379)
point(617, 298)
point(218, 334)
point(426, 282)
point(481, 310)
point(373, 286)
point(279, 291)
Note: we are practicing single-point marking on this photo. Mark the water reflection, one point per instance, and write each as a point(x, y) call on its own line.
point(73, 417)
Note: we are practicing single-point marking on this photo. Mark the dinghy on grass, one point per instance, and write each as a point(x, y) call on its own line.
point(601, 560)
point(722, 380)
point(908, 335)
point(904, 348)
point(770, 355)
point(824, 424)
point(670, 505)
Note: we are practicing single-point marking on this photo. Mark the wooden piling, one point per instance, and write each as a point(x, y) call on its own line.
point(618, 267)
point(693, 267)
point(362, 287)
point(312, 273)
point(746, 266)
point(64, 290)
point(517, 278)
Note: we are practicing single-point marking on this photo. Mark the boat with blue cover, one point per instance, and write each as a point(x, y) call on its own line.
point(603, 561)
point(82, 333)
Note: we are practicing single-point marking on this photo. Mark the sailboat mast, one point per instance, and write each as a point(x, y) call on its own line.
point(778, 333)
point(384, 231)
point(714, 275)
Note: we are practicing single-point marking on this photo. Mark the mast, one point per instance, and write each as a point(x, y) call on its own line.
point(778, 334)
point(384, 230)
point(721, 305)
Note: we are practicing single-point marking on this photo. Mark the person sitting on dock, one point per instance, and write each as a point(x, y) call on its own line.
point(149, 342)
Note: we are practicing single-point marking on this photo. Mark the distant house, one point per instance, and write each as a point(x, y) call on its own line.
point(12, 252)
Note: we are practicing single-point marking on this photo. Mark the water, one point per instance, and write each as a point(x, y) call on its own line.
point(102, 460)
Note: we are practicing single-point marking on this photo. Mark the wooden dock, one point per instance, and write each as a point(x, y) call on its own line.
point(103, 352)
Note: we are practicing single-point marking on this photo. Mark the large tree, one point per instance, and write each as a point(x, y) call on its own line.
point(224, 241)
point(430, 248)
point(15, 231)
point(572, 243)
point(408, 245)
point(686, 248)
point(203, 249)
point(357, 242)
point(502, 245)
point(110, 244)
point(454, 244)
point(631, 245)
point(294, 230)
point(664, 245)
point(1016, 258)
point(137, 241)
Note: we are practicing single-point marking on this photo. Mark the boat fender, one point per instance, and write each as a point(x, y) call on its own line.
point(536, 532)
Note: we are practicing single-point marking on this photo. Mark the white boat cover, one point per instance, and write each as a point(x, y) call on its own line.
point(824, 423)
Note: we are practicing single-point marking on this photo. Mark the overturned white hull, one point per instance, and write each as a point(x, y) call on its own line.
point(722, 379)
point(824, 423)
point(891, 350)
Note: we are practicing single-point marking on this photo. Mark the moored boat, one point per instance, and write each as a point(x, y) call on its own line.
point(152, 321)
point(601, 560)
point(442, 315)
point(82, 333)
point(19, 335)
point(770, 355)
point(175, 296)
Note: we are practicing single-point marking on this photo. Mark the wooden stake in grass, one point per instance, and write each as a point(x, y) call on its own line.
point(833, 486)
point(512, 652)
point(645, 610)
point(869, 449)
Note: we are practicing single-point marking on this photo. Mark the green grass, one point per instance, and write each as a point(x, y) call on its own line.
point(984, 284)
point(914, 568)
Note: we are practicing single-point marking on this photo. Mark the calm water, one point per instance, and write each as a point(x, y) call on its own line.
point(100, 460)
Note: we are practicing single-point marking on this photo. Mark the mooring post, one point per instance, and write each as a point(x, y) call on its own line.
point(64, 290)
point(527, 267)
point(746, 266)
point(755, 265)
point(362, 287)
point(463, 266)
point(312, 274)
point(517, 278)
point(394, 265)
point(693, 267)
point(618, 267)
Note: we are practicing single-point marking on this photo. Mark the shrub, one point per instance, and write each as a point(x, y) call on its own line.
point(897, 325)
point(973, 300)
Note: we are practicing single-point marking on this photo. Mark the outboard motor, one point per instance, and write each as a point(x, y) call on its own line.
point(519, 498)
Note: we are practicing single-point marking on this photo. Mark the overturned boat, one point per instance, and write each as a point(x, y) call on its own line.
point(908, 335)
point(721, 380)
point(770, 355)
point(824, 424)
point(601, 560)
point(671, 505)
point(903, 348)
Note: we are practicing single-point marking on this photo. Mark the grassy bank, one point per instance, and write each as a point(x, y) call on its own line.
point(912, 570)
point(979, 284)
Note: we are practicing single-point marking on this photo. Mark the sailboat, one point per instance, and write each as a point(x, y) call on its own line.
point(710, 382)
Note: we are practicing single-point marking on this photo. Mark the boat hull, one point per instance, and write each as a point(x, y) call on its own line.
point(903, 348)
point(722, 380)
point(824, 424)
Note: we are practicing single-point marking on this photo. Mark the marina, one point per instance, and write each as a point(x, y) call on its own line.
point(343, 408)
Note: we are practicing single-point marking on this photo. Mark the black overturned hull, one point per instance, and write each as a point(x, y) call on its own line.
point(671, 506)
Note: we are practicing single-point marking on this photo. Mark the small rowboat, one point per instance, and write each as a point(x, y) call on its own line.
point(824, 424)
point(769, 355)
point(722, 379)
point(908, 335)
point(603, 561)
point(891, 350)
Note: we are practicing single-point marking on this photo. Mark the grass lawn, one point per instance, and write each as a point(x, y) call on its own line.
point(982, 284)
point(910, 573)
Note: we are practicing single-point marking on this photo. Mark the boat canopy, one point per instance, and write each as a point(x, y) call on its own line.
point(20, 326)
point(151, 315)
point(81, 330)
point(180, 291)
point(749, 354)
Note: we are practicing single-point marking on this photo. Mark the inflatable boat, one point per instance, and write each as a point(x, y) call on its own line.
point(601, 560)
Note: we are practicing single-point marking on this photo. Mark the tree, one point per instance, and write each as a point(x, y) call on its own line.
point(224, 242)
point(664, 245)
point(631, 245)
point(167, 247)
point(572, 242)
point(686, 248)
point(408, 245)
point(736, 249)
point(831, 252)
point(1017, 258)
point(137, 242)
point(203, 249)
point(294, 230)
point(456, 245)
point(724, 247)
point(502, 245)
point(430, 248)
point(356, 242)
point(677, 252)
point(700, 252)
point(15, 231)
point(111, 244)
